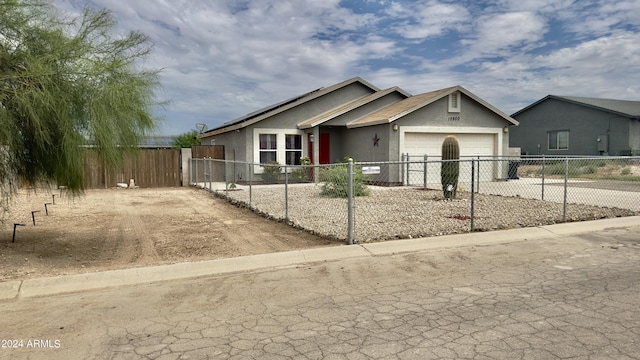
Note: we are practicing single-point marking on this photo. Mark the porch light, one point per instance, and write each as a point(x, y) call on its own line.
point(395, 127)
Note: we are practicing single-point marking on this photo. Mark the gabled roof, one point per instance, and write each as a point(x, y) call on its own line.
point(274, 109)
point(625, 108)
point(402, 108)
point(333, 113)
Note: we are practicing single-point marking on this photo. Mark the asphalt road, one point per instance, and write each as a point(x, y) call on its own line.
point(574, 297)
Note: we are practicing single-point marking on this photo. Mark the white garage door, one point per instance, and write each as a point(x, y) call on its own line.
point(471, 145)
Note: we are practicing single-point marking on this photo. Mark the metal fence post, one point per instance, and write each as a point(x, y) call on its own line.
point(404, 182)
point(566, 176)
point(424, 171)
point(226, 181)
point(196, 171)
point(408, 170)
point(543, 177)
point(472, 194)
point(210, 174)
point(478, 180)
point(189, 176)
point(350, 214)
point(250, 184)
point(286, 194)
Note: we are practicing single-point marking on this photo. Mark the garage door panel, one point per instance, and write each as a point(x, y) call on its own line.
point(471, 145)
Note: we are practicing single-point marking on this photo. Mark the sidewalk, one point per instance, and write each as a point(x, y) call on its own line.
point(91, 281)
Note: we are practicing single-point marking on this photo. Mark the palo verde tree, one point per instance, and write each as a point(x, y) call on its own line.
point(65, 83)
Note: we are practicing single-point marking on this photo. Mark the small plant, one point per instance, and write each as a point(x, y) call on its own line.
point(625, 171)
point(450, 168)
point(336, 181)
point(231, 185)
point(271, 172)
point(302, 174)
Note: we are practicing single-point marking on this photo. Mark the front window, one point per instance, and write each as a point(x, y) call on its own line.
point(268, 148)
point(559, 140)
point(293, 149)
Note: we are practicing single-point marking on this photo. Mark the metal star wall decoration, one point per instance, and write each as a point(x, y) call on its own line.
point(376, 140)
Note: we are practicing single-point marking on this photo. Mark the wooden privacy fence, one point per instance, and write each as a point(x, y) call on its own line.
point(208, 151)
point(148, 167)
point(208, 170)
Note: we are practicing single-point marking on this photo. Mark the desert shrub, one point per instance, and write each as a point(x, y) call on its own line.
point(271, 172)
point(601, 163)
point(625, 171)
point(335, 181)
point(302, 174)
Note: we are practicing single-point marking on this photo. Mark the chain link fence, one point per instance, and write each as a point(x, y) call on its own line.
point(375, 201)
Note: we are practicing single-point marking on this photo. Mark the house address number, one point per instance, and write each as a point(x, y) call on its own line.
point(453, 118)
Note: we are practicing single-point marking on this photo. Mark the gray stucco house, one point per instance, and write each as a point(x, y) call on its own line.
point(355, 118)
point(569, 125)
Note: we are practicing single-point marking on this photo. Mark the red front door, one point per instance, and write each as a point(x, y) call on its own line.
point(325, 146)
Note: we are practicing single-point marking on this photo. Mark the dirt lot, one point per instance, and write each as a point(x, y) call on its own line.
point(117, 228)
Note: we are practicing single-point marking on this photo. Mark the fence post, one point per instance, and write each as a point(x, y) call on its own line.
point(543, 177)
point(424, 171)
point(196, 171)
point(408, 170)
point(404, 183)
point(189, 176)
point(566, 176)
point(478, 179)
point(250, 171)
point(472, 194)
point(226, 182)
point(286, 194)
point(350, 202)
point(211, 174)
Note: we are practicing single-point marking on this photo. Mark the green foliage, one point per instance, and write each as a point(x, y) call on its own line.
point(64, 84)
point(450, 169)
point(625, 171)
point(186, 140)
point(335, 180)
point(271, 172)
point(575, 169)
point(302, 174)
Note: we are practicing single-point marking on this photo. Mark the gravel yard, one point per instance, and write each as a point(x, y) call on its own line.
point(405, 212)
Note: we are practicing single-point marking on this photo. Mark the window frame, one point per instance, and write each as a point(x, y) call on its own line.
point(281, 146)
point(270, 148)
point(558, 140)
point(288, 150)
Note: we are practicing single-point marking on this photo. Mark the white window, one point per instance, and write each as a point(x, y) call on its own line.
point(454, 102)
point(268, 148)
point(558, 140)
point(286, 146)
point(293, 149)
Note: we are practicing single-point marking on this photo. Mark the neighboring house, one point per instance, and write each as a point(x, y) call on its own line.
point(356, 119)
point(569, 125)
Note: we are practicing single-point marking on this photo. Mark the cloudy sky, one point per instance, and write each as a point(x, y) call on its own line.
point(222, 59)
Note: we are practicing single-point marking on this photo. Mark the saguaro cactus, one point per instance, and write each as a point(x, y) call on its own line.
point(450, 166)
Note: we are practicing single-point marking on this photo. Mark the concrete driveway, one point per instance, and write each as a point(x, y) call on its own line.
point(620, 194)
point(554, 292)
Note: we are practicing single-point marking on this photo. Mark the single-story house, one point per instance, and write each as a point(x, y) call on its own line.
point(357, 119)
point(570, 125)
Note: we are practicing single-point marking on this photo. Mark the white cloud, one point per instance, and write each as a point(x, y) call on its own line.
point(428, 18)
point(226, 58)
point(501, 34)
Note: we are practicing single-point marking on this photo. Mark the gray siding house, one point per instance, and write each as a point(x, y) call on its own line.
point(355, 118)
point(569, 125)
